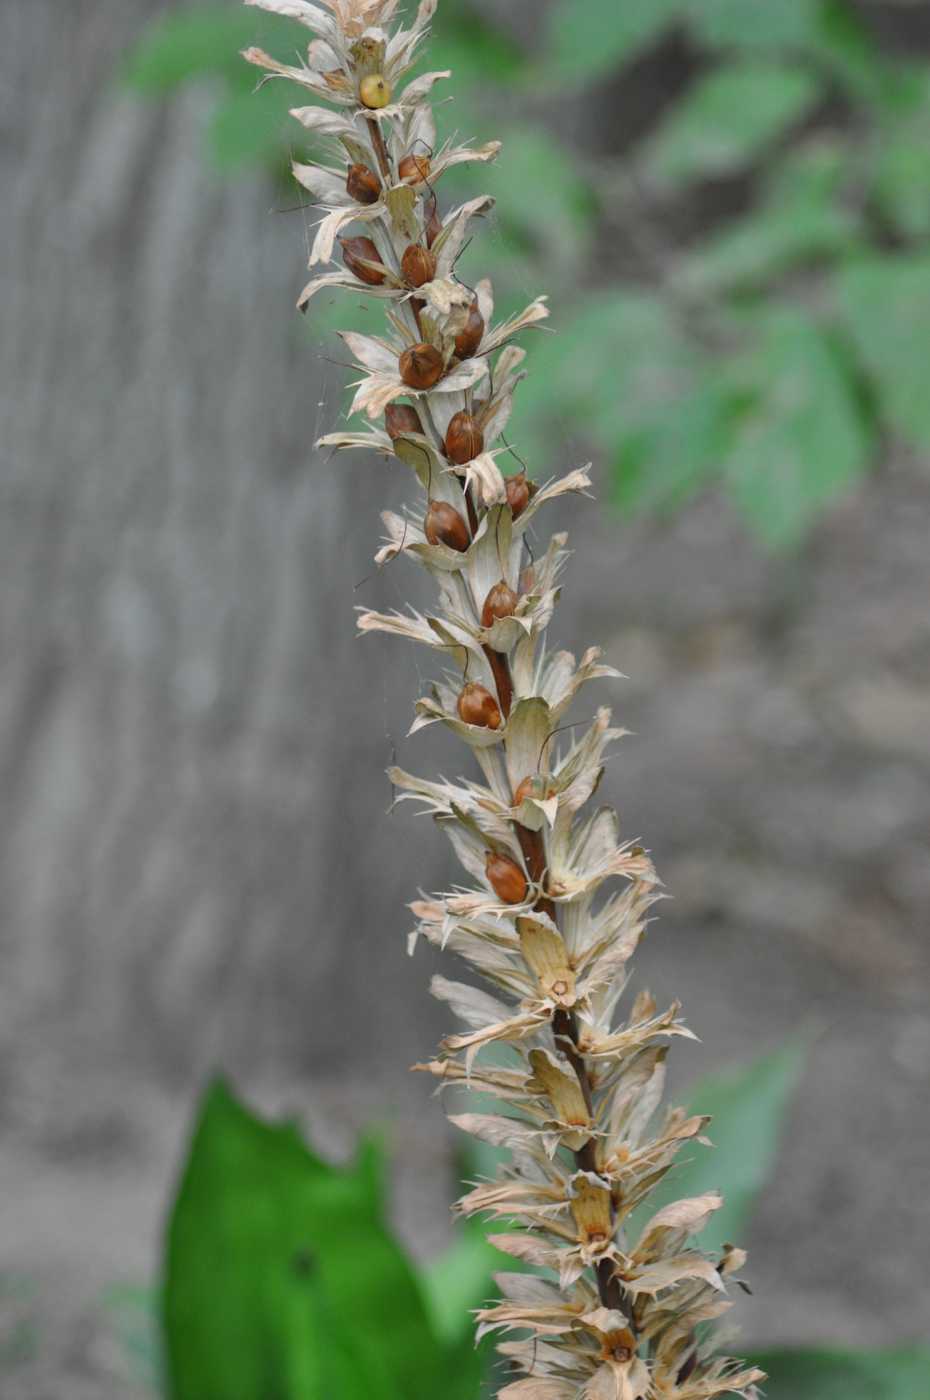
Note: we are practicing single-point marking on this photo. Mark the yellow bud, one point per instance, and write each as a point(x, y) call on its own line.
point(375, 91)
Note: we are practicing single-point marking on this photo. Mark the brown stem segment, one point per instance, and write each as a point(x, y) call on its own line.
point(565, 1034)
point(500, 670)
point(380, 147)
point(564, 1024)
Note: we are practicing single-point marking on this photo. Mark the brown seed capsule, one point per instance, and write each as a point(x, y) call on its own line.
point(363, 185)
point(468, 340)
point(418, 265)
point(464, 439)
point(506, 878)
point(526, 789)
point(414, 170)
point(518, 494)
point(400, 420)
point(477, 706)
point(433, 224)
point(374, 91)
point(356, 252)
point(500, 602)
point(444, 525)
point(421, 366)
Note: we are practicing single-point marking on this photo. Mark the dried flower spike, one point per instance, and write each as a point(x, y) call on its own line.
point(557, 900)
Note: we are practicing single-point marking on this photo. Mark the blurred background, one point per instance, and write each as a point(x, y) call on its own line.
point(729, 203)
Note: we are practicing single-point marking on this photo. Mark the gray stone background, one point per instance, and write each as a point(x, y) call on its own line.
point(197, 869)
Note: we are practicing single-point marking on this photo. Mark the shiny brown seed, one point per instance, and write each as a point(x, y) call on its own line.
point(506, 878)
point(464, 439)
point(414, 170)
point(468, 340)
point(421, 366)
point(444, 525)
point(418, 265)
point(500, 602)
point(400, 420)
point(477, 706)
point(356, 253)
point(526, 789)
point(363, 185)
point(518, 494)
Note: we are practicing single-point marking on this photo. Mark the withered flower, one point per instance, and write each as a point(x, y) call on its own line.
point(557, 900)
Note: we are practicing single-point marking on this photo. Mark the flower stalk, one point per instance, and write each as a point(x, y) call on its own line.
point(556, 902)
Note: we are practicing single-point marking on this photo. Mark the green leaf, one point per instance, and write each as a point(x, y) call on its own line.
point(456, 1283)
point(727, 119)
point(460, 1280)
point(660, 465)
point(477, 51)
point(748, 1109)
point(538, 174)
point(587, 41)
point(847, 1375)
point(802, 441)
point(802, 216)
point(743, 24)
point(847, 49)
point(255, 128)
point(886, 303)
point(611, 368)
point(902, 169)
point(203, 41)
point(282, 1282)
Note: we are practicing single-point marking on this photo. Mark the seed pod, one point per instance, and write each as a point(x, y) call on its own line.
point(400, 420)
point(500, 602)
point(526, 789)
point(468, 340)
point(363, 185)
point(418, 265)
point(433, 223)
point(476, 705)
point(374, 91)
point(506, 878)
point(518, 494)
point(421, 366)
point(414, 170)
point(356, 252)
point(464, 439)
point(444, 525)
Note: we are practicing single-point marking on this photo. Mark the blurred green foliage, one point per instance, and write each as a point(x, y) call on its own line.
point(771, 351)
